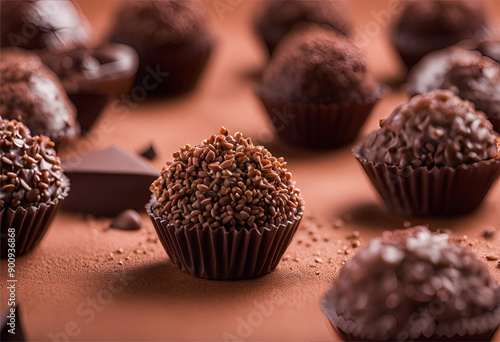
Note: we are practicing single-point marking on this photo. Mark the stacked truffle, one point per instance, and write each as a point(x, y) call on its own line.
point(225, 187)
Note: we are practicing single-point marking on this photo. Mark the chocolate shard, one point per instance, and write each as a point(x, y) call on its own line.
point(149, 152)
point(127, 220)
point(10, 322)
point(107, 182)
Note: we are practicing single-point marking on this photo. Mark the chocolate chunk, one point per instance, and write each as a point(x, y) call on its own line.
point(127, 220)
point(106, 182)
point(149, 152)
point(413, 284)
point(12, 329)
point(33, 94)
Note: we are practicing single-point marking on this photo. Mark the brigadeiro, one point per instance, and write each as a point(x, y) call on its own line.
point(414, 285)
point(225, 209)
point(426, 26)
point(279, 16)
point(33, 187)
point(33, 94)
point(434, 155)
point(94, 77)
point(38, 24)
point(467, 73)
point(172, 38)
point(317, 89)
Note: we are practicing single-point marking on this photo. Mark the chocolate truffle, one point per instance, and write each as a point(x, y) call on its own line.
point(416, 285)
point(172, 38)
point(93, 77)
point(426, 26)
point(315, 67)
point(232, 197)
point(39, 24)
point(31, 93)
point(434, 155)
point(33, 185)
point(279, 16)
point(468, 74)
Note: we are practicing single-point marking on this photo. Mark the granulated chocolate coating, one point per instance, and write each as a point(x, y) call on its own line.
point(38, 24)
point(31, 93)
point(227, 182)
point(313, 64)
point(468, 74)
point(279, 17)
point(31, 170)
point(434, 129)
point(158, 23)
point(413, 284)
point(426, 26)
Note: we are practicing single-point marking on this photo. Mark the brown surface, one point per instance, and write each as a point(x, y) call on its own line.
point(73, 263)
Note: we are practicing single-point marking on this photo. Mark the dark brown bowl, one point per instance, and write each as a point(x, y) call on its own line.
point(94, 77)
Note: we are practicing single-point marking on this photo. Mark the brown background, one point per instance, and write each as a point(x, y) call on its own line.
point(155, 301)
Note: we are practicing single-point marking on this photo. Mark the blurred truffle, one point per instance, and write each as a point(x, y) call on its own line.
point(426, 26)
point(416, 285)
point(467, 73)
point(31, 93)
point(317, 89)
point(279, 16)
point(40, 24)
point(173, 41)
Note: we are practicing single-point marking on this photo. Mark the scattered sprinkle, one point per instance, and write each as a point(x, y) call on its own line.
point(120, 251)
point(120, 262)
point(490, 257)
point(355, 243)
point(318, 261)
point(407, 224)
point(339, 223)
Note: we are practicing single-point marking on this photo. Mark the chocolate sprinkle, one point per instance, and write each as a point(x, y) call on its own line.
point(31, 171)
point(226, 181)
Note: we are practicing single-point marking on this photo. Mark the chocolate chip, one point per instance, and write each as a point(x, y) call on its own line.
point(127, 220)
point(149, 152)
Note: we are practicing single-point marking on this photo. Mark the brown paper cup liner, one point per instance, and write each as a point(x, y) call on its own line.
point(316, 126)
point(350, 330)
point(440, 191)
point(221, 254)
point(30, 223)
point(184, 64)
